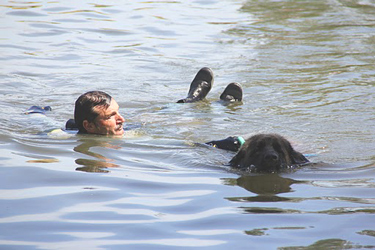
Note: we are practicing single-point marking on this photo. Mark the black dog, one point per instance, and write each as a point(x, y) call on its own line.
point(267, 153)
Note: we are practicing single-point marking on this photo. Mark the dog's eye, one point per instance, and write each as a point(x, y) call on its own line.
point(276, 146)
point(260, 145)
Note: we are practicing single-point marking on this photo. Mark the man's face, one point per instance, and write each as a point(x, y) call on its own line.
point(108, 122)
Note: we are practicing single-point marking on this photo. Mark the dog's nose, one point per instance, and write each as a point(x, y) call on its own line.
point(271, 157)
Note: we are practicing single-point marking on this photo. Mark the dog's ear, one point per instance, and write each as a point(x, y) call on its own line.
point(298, 158)
point(294, 156)
point(238, 159)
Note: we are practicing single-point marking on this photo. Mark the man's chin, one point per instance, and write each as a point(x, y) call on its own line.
point(119, 131)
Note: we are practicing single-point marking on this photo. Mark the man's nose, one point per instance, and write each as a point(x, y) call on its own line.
point(120, 118)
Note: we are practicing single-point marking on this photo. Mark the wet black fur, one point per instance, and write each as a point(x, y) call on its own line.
point(267, 153)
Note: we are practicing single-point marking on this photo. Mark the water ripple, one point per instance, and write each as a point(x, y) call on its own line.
point(25, 13)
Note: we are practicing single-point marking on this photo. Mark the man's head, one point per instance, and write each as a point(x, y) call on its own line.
point(96, 112)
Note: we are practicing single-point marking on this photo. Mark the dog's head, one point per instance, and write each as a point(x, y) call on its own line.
point(267, 153)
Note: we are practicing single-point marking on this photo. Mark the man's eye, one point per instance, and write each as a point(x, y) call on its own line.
point(110, 116)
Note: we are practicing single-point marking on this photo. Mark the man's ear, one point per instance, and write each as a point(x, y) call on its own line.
point(89, 126)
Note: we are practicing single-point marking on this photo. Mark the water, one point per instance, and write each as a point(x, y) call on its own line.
point(307, 69)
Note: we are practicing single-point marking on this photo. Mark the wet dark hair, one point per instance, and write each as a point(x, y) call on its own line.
point(85, 104)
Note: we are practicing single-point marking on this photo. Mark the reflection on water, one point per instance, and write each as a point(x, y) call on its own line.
point(92, 165)
point(306, 68)
point(332, 244)
point(263, 184)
